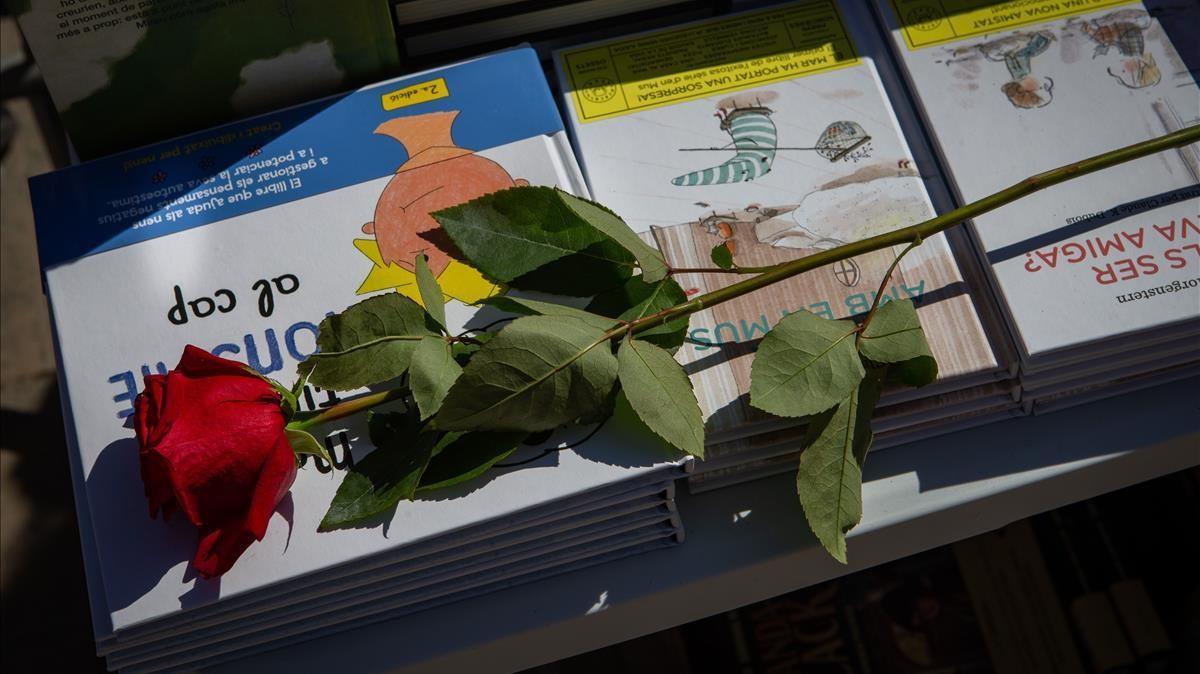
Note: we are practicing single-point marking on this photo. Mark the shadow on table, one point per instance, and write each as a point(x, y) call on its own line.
point(45, 613)
point(1095, 430)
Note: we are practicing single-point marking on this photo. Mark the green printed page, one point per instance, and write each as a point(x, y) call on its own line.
point(124, 73)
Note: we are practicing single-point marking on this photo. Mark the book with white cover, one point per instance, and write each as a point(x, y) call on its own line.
point(240, 239)
point(768, 132)
point(413, 575)
point(454, 580)
point(515, 535)
point(1010, 89)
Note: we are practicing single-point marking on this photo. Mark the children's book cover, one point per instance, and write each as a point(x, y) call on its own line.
point(240, 240)
point(768, 133)
point(1014, 88)
point(124, 74)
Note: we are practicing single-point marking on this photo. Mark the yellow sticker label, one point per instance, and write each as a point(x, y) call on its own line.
point(931, 22)
point(417, 93)
point(619, 78)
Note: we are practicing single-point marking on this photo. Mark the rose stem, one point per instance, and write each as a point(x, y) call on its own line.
point(348, 408)
point(922, 230)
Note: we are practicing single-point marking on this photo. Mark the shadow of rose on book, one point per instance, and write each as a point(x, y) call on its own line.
point(146, 551)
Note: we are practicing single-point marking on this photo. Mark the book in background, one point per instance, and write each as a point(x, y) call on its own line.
point(1130, 605)
point(770, 133)
point(814, 630)
point(434, 31)
point(1099, 277)
point(916, 616)
point(1010, 601)
point(124, 74)
point(906, 617)
point(1024, 624)
point(1139, 523)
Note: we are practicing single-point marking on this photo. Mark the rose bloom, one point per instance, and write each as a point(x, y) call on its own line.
point(212, 443)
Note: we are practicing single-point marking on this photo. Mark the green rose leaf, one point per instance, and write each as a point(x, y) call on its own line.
point(368, 343)
point(915, 372)
point(595, 269)
point(806, 364)
point(636, 299)
point(387, 475)
point(894, 335)
point(459, 457)
point(538, 373)
point(288, 398)
point(722, 256)
point(661, 394)
point(512, 232)
point(431, 292)
point(462, 351)
point(627, 424)
point(298, 387)
point(829, 481)
point(528, 307)
point(303, 442)
point(432, 373)
point(654, 267)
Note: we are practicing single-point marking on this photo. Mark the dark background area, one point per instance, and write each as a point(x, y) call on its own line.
point(44, 615)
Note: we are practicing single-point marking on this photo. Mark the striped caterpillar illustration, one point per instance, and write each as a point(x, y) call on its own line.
point(754, 138)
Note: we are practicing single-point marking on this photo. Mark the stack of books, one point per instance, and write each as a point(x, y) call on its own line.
point(239, 240)
point(1099, 278)
point(772, 132)
point(775, 134)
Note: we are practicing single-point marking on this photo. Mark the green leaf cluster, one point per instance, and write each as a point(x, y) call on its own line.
point(410, 458)
point(542, 238)
point(832, 371)
point(472, 399)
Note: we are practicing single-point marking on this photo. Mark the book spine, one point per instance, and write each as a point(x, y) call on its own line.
point(567, 167)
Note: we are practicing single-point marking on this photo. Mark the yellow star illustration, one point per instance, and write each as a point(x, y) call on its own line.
point(458, 280)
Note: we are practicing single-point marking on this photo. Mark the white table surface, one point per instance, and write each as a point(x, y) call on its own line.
point(749, 542)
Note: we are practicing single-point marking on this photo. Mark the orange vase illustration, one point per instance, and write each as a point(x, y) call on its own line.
point(438, 174)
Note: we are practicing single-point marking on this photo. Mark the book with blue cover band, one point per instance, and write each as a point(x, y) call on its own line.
point(239, 240)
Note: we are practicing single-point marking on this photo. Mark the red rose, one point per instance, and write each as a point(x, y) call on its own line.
point(212, 442)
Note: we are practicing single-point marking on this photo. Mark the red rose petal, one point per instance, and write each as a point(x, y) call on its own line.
point(218, 549)
point(212, 442)
point(156, 481)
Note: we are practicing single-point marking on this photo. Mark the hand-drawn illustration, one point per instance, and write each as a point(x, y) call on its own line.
point(1120, 35)
point(1118, 41)
point(878, 197)
point(438, 174)
point(755, 138)
point(871, 200)
point(844, 140)
point(748, 122)
point(1017, 51)
point(840, 171)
